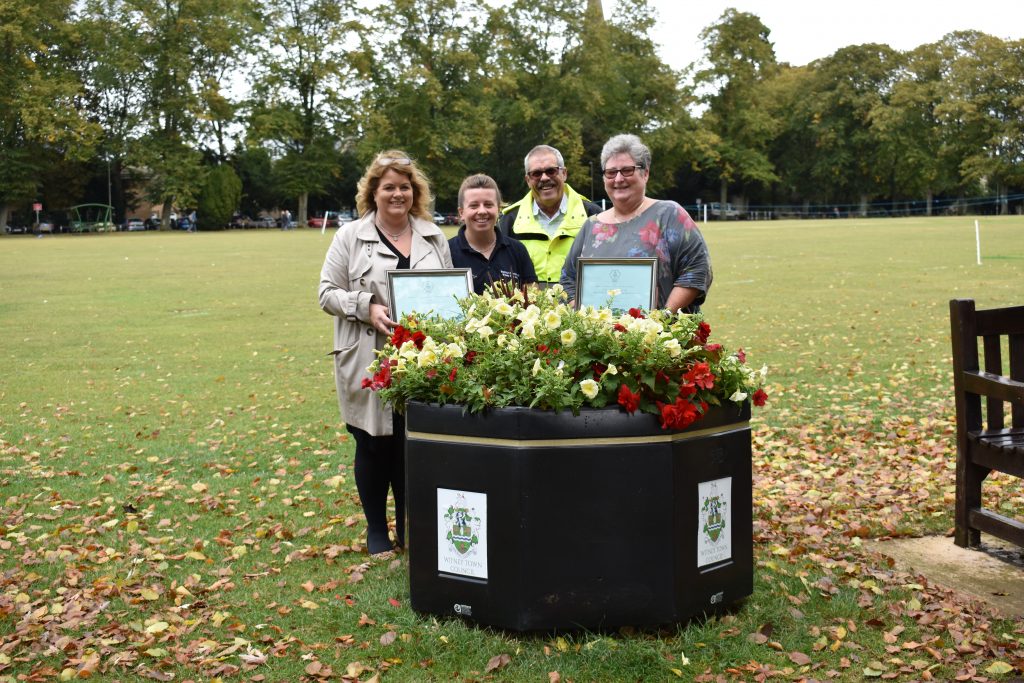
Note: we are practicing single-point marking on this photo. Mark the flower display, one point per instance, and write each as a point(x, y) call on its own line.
point(528, 347)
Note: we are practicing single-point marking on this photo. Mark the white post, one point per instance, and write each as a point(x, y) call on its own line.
point(705, 213)
point(323, 226)
point(977, 240)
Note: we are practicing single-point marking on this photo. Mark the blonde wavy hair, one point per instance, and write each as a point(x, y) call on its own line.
point(400, 163)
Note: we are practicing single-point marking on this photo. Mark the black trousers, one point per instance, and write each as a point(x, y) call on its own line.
point(379, 466)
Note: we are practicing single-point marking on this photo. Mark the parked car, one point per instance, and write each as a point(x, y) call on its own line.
point(16, 229)
point(134, 224)
point(318, 221)
point(263, 222)
point(239, 220)
point(184, 223)
point(726, 211)
point(438, 218)
point(44, 226)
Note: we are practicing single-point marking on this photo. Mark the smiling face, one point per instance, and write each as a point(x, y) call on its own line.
point(625, 193)
point(479, 210)
point(393, 196)
point(547, 189)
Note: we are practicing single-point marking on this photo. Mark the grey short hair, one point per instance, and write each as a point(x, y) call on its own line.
point(542, 148)
point(624, 143)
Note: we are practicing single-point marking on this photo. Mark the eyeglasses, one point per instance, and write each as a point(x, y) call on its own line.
point(626, 171)
point(541, 172)
point(401, 161)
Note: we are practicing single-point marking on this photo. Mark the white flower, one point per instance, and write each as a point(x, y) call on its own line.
point(552, 320)
point(738, 397)
point(589, 387)
point(485, 331)
point(614, 293)
point(673, 347)
point(501, 340)
point(612, 370)
point(513, 343)
point(453, 350)
point(527, 330)
point(558, 370)
point(536, 367)
point(532, 312)
point(502, 308)
point(568, 337)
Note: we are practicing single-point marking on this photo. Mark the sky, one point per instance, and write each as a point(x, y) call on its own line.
point(803, 31)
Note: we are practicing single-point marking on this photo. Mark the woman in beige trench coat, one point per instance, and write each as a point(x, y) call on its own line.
point(394, 231)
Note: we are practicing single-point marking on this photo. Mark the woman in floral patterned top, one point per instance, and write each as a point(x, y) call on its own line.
point(638, 226)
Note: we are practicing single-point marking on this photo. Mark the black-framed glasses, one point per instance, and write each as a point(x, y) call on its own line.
point(539, 173)
point(399, 161)
point(626, 171)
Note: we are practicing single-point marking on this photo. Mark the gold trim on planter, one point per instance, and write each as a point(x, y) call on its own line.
point(583, 441)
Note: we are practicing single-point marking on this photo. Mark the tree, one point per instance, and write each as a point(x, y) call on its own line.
point(221, 195)
point(40, 120)
point(301, 98)
point(739, 59)
point(429, 90)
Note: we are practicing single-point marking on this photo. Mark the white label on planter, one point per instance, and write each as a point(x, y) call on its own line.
point(714, 521)
point(462, 533)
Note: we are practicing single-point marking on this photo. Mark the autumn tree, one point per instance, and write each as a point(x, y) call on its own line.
point(41, 121)
point(739, 59)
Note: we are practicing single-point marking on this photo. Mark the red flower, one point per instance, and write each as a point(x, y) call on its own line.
point(542, 348)
point(742, 356)
point(660, 376)
point(598, 368)
point(636, 313)
point(703, 332)
point(381, 379)
point(418, 338)
point(431, 373)
point(470, 357)
point(367, 384)
point(451, 375)
point(627, 399)
point(700, 374)
point(650, 234)
point(712, 348)
point(618, 328)
point(760, 397)
point(678, 415)
point(400, 336)
point(686, 390)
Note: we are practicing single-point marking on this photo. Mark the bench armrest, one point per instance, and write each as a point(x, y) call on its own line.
point(994, 386)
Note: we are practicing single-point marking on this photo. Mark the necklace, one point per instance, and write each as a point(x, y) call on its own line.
point(486, 250)
point(394, 235)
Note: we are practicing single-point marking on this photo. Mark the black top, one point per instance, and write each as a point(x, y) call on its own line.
point(403, 260)
point(509, 261)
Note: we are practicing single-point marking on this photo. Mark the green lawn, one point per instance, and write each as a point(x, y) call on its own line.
point(176, 501)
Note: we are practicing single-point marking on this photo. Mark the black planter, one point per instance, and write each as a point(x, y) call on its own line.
point(534, 520)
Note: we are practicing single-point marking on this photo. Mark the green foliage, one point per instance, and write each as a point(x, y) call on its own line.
point(220, 198)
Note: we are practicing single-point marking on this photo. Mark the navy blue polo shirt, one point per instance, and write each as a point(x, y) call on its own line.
point(509, 261)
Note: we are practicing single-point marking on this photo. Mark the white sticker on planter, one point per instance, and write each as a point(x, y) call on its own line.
point(462, 533)
point(714, 521)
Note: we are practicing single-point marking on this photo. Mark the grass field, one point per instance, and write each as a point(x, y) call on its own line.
point(176, 501)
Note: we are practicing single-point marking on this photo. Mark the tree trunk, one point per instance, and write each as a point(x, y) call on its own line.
point(863, 206)
point(303, 208)
point(928, 199)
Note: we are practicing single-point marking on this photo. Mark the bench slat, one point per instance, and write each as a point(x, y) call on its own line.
point(996, 524)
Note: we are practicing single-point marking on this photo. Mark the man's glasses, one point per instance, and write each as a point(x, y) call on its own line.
point(541, 172)
point(400, 161)
point(626, 171)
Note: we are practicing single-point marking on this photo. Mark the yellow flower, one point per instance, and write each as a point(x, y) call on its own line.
point(527, 330)
point(536, 367)
point(589, 387)
point(568, 337)
point(612, 370)
point(485, 331)
point(673, 348)
point(426, 358)
point(552, 320)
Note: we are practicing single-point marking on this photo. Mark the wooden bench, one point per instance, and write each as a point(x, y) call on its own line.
point(984, 444)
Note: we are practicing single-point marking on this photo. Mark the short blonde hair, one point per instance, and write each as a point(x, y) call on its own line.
point(400, 162)
point(479, 181)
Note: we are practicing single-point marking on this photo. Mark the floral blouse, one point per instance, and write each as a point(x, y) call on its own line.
point(664, 230)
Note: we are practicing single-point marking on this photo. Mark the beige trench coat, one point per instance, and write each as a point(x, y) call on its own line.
point(354, 276)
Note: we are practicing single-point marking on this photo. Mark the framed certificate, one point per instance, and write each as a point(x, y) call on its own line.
point(428, 292)
point(633, 281)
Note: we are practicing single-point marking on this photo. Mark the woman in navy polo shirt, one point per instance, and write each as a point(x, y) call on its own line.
point(478, 246)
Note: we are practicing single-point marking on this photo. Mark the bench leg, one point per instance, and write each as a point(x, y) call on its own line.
point(968, 497)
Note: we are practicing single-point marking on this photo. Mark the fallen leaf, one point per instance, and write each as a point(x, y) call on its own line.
point(497, 662)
